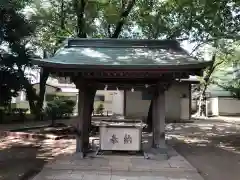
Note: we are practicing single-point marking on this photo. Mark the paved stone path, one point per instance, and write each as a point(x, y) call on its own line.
point(93, 175)
point(119, 168)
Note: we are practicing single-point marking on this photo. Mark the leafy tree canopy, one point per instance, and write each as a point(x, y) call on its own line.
point(14, 30)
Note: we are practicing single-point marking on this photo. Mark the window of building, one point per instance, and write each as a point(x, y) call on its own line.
point(99, 98)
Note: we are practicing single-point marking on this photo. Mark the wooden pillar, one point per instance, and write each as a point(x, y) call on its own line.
point(158, 111)
point(85, 96)
point(154, 120)
point(79, 145)
point(82, 124)
point(190, 100)
point(125, 102)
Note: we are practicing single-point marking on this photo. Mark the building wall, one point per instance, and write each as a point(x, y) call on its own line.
point(194, 105)
point(109, 98)
point(176, 107)
point(221, 106)
point(177, 102)
point(118, 102)
point(212, 107)
point(49, 89)
point(135, 106)
point(184, 109)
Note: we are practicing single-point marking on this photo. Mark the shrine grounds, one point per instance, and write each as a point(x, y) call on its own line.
point(211, 146)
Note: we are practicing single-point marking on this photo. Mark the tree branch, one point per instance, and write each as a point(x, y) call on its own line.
point(157, 29)
point(217, 64)
point(123, 4)
point(123, 16)
point(175, 34)
point(109, 30)
point(62, 25)
point(191, 19)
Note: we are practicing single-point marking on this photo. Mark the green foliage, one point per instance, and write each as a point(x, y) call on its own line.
point(9, 85)
point(100, 109)
point(230, 80)
point(194, 20)
point(233, 87)
point(14, 30)
point(60, 19)
point(198, 21)
point(19, 111)
point(17, 4)
point(60, 108)
point(12, 115)
point(54, 23)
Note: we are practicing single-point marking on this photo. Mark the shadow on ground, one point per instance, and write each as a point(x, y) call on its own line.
point(211, 147)
point(23, 158)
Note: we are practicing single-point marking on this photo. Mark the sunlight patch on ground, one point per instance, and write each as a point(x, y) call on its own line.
point(228, 148)
point(52, 148)
point(8, 142)
point(188, 140)
point(204, 142)
point(224, 136)
point(47, 149)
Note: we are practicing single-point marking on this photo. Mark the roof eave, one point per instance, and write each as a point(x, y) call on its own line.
point(75, 67)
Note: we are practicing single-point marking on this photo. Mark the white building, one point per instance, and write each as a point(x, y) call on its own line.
point(132, 104)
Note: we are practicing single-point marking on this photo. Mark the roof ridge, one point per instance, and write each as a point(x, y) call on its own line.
point(110, 42)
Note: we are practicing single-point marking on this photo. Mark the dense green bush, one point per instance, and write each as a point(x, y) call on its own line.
point(12, 115)
point(100, 109)
point(60, 108)
point(20, 111)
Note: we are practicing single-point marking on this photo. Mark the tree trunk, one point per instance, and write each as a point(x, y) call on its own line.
point(207, 77)
point(123, 16)
point(44, 74)
point(79, 7)
point(62, 25)
point(202, 102)
point(42, 89)
point(31, 94)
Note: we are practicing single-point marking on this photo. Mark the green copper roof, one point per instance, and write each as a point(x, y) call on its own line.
point(119, 52)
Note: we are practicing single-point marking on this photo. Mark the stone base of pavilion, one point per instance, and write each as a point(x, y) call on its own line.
point(147, 151)
point(109, 167)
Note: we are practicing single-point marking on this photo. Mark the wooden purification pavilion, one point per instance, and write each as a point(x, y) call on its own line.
point(122, 63)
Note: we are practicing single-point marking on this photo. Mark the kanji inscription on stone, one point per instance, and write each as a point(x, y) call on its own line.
point(114, 139)
point(127, 139)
